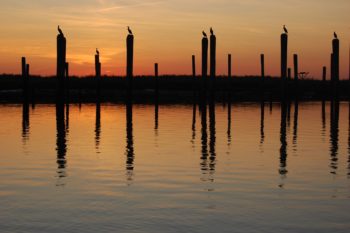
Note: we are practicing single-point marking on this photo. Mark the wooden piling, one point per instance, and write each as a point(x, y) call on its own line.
point(284, 53)
point(229, 63)
point(204, 61)
point(156, 79)
point(61, 59)
point(129, 60)
point(193, 66)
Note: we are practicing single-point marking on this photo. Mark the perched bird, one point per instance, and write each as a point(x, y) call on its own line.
point(285, 29)
point(204, 34)
point(211, 31)
point(59, 30)
point(97, 52)
point(335, 35)
point(129, 30)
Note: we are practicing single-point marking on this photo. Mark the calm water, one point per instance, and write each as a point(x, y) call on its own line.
point(175, 168)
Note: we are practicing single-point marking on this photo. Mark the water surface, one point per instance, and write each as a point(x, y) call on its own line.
point(243, 167)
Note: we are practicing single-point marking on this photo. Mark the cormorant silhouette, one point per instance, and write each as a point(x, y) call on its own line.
point(211, 31)
point(129, 30)
point(97, 52)
point(285, 29)
point(59, 30)
point(335, 35)
point(204, 34)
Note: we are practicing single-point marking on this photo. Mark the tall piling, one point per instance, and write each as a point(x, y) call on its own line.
point(24, 76)
point(229, 66)
point(98, 72)
point(296, 73)
point(129, 60)
point(212, 55)
point(335, 58)
point(324, 77)
point(284, 53)
point(204, 61)
point(156, 80)
point(61, 60)
point(262, 69)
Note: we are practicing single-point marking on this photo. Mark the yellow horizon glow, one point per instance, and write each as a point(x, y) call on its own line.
point(169, 32)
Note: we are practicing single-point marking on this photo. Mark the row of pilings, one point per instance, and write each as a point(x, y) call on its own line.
point(289, 88)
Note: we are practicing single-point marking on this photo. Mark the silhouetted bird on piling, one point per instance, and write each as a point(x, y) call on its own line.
point(211, 31)
point(129, 30)
point(335, 35)
point(285, 29)
point(59, 30)
point(204, 34)
point(97, 52)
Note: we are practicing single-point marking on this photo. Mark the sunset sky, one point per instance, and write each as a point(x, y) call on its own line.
point(169, 32)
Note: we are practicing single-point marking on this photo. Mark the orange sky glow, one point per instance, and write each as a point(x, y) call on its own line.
point(169, 32)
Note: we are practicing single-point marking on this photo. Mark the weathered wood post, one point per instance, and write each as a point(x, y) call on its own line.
point(61, 60)
point(289, 74)
point(129, 59)
point(296, 73)
point(335, 49)
point(98, 72)
point(194, 81)
point(156, 79)
point(284, 53)
point(193, 66)
point(204, 60)
point(229, 64)
point(212, 57)
point(262, 67)
point(324, 77)
point(24, 76)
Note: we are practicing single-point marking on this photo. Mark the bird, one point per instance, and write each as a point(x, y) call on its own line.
point(285, 29)
point(204, 34)
point(97, 52)
point(335, 35)
point(129, 30)
point(211, 31)
point(59, 30)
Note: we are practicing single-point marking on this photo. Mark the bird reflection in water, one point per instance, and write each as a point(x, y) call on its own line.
point(334, 136)
point(129, 143)
point(61, 142)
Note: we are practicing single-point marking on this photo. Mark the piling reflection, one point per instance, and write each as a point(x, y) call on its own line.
point(349, 140)
point(204, 137)
point(61, 142)
point(334, 136)
point(98, 125)
point(295, 124)
point(129, 143)
point(262, 122)
point(193, 127)
point(283, 139)
point(323, 117)
point(212, 139)
point(25, 121)
point(229, 139)
point(156, 122)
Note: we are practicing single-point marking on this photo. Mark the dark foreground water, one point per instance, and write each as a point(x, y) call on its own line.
point(175, 168)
